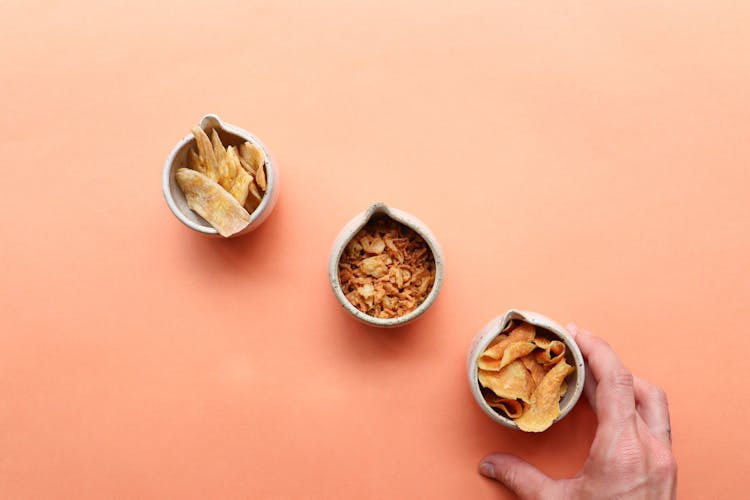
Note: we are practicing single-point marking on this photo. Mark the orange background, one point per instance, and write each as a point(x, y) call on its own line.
point(586, 160)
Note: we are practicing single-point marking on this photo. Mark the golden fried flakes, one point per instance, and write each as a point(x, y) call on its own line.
point(387, 269)
point(523, 376)
point(225, 173)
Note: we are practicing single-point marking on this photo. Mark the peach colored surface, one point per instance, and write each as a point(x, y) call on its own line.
point(589, 161)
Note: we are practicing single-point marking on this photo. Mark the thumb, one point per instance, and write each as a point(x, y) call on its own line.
point(516, 474)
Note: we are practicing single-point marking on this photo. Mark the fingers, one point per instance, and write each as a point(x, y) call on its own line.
point(589, 385)
point(614, 399)
point(516, 474)
point(653, 408)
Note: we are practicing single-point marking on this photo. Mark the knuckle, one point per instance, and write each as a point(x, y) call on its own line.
point(621, 377)
point(665, 465)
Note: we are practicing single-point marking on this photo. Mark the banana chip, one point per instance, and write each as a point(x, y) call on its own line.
point(522, 376)
point(233, 169)
point(212, 202)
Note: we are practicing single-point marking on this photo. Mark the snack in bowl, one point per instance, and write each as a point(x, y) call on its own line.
point(522, 373)
point(224, 185)
point(386, 270)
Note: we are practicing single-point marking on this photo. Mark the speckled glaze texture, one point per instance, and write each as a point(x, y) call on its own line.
point(351, 229)
point(230, 135)
point(498, 325)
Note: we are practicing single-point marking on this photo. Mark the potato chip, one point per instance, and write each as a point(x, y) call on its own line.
point(563, 388)
point(542, 342)
point(552, 354)
point(212, 202)
point(511, 407)
point(537, 371)
point(544, 406)
point(513, 381)
point(491, 358)
point(516, 350)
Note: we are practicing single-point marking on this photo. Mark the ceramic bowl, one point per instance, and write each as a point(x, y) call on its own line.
point(501, 323)
point(230, 136)
point(351, 229)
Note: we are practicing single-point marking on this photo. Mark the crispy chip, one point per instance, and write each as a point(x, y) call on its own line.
point(212, 202)
point(206, 154)
point(521, 365)
point(542, 342)
point(511, 407)
point(514, 351)
point(544, 406)
point(513, 381)
point(552, 354)
point(260, 177)
point(195, 163)
point(537, 371)
point(252, 155)
point(491, 358)
point(225, 176)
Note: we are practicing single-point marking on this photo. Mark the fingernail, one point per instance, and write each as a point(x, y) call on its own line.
point(487, 469)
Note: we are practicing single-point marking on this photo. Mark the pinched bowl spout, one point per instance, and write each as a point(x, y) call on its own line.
point(230, 136)
point(351, 229)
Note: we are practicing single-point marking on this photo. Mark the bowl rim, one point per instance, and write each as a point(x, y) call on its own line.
point(492, 329)
point(210, 121)
point(351, 228)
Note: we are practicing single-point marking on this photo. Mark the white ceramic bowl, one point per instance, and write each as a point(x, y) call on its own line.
point(492, 329)
point(351, 229)
point(230, 135)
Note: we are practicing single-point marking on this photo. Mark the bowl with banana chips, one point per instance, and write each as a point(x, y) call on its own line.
point(220, 180)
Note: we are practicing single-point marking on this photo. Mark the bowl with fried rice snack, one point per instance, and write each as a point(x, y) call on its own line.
point(525, 371)
point(220, 180)
point(386, 267)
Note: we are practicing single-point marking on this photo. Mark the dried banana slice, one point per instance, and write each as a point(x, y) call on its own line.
point(206, 153)
point(241, 182)
point(260, 177)
point(212, 202)
point(252, 155)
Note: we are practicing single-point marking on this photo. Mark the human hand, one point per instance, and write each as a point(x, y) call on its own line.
point(631, 456)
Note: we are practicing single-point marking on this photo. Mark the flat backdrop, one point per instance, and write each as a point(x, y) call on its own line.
point(586, 160)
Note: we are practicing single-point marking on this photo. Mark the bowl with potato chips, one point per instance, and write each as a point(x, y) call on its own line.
point(525, 371)
point(386, 267)
point(220, 180)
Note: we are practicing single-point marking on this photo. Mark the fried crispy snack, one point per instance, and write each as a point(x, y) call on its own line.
point(536, 370)
point(510, 407)
point(212, 202)
point(251, 156)
point(387, 269)
point(527, 368)
point(241, 174)
point(206, 154)
point(512, 382)
point(492, 357)
point(552, 354)
point(545, 402)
